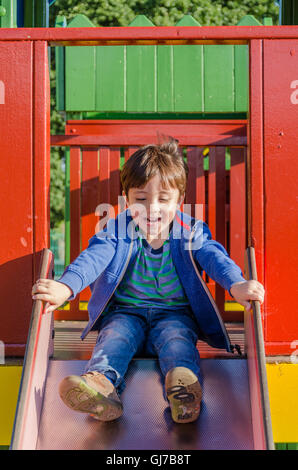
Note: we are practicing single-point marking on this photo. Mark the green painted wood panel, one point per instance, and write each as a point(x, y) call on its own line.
point(219, 78)
point(241, 78)
point(188, 74)
point(8, 13)
point(110, 78)
point(80, 72)
point(165, 79)
point(141, 71)
point(155, 79)
point(60, 67)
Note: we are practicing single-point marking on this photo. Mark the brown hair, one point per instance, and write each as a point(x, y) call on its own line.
point(164, 159)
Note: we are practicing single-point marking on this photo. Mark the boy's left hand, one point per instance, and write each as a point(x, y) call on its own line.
point(245, 291)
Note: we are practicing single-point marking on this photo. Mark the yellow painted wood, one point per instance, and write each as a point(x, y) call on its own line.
point(10, 378)
point(229, 306)
point(233, 307)
point(283, 392)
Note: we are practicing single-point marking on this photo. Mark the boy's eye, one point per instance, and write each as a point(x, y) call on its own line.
point(139, 199)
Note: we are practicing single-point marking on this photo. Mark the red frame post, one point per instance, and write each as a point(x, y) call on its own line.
point(25, 181)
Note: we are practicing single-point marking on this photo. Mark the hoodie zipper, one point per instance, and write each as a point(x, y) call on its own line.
point(209, 294)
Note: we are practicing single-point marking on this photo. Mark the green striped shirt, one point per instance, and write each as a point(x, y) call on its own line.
point(151, 280)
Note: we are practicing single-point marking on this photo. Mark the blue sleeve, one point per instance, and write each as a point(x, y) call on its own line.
point(214, 259)
point(90, 264)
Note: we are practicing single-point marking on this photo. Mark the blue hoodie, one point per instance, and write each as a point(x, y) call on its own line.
point(103, 264)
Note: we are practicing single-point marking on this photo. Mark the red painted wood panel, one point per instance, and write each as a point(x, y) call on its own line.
point(195, 191)
point(41, 152)
point(75, 219)
point(149, 35)
point(217, 209)
point(16, 203)
point(89, 201)
point(255, 162)
point(280, 180)
point(25, 184)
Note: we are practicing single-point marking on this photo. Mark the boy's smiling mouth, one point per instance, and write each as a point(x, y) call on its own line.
point(152, 220)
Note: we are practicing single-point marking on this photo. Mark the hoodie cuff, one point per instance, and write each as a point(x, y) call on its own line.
point(73, 281)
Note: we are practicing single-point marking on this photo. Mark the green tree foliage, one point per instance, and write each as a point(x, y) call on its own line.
point(165, 12)
point(121, 13)
point(57, 192)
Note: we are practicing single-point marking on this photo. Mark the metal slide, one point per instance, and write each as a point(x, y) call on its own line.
point(235, 410)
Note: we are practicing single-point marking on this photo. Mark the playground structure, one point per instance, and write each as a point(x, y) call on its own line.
point(269, 129)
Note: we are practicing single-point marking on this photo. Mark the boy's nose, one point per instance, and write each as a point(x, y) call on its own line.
point(154, 209)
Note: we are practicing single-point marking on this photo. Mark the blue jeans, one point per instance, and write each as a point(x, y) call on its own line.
point(124, 331)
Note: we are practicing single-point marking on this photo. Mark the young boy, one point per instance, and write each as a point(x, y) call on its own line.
point(144, 270)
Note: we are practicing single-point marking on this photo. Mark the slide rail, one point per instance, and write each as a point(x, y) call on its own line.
point(254, 345)
point(39, 348)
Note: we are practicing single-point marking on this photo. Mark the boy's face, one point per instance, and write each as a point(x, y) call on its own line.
point(153, 207)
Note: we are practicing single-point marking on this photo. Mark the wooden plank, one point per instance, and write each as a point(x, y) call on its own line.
point(141, 88)
point(80, 66)
point(280, 193)
point(75, 215)
point(218, 79)
point(110, 79)
point(17, 182)
point(41, 149)
point(209, 129)
point(216, 207)
point(195, 191)
point(255, 160)
point(188, 74)
point(78, 97)
point(165, 79)
point(241, 78)
point(115, 189)
point(128, 151)
point(238, 206)
point(188, 78)
point(150, 35)
point(241, 60)
point(141, 71)
point(89, 201)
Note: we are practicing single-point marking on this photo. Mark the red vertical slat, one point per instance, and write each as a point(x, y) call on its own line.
point(41, 149)
point(89, 202)
point(114, 179)
point(195, 191)
point(238, 206)
point(75, 216)
point(237, 216)
point(104, 209)
point(128, 151)
point(255, 159)
point(217, 208)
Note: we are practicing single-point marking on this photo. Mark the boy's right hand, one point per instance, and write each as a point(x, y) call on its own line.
point(53, 292)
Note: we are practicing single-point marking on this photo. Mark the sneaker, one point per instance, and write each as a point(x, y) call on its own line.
point(184, 393)
point(91, 393)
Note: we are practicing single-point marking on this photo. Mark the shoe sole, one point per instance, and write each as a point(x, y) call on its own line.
point(79, 396)
point(184, 393)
